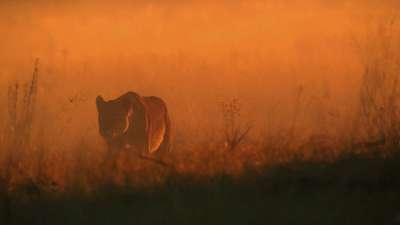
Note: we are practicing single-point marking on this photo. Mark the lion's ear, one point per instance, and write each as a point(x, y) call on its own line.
point(99, 102)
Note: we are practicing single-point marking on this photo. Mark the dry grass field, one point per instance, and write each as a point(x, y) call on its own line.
point(282, 112)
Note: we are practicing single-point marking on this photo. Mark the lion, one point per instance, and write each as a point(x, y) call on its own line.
point(135, 122)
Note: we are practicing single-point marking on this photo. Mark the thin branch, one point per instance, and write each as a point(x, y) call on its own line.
point(154, 160)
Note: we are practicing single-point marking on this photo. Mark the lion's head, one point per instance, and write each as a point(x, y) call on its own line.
point(114, 117)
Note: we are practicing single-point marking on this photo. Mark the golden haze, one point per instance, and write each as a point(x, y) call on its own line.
point(194, 54)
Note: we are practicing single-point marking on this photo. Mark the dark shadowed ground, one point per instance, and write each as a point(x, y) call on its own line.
point(353, 190)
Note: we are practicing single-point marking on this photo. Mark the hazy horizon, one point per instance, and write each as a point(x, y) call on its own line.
point(194, 55)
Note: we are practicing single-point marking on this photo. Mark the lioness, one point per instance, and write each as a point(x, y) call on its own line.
point(133, 121)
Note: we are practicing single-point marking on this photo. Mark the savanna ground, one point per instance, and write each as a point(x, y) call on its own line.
point(286, 116)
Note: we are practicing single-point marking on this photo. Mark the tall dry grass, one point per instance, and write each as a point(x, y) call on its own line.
point(377, 122)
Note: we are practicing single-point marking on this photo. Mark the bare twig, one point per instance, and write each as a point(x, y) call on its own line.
point(154, 160)
point(234, 132)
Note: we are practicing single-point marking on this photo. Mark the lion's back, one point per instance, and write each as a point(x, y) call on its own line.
point(155, 105)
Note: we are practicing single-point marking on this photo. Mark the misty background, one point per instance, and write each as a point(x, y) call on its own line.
point(280, 59)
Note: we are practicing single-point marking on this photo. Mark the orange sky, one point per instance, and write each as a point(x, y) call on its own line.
point(192, 53)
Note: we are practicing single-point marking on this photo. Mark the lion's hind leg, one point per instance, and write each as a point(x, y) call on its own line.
point(165, 145)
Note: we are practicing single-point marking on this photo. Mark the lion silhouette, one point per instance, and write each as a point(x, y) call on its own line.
point(135, 122)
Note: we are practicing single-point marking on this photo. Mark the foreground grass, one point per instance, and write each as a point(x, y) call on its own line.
point(353, 190)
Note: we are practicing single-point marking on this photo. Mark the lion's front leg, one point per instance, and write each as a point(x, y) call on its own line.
point(110, 164)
